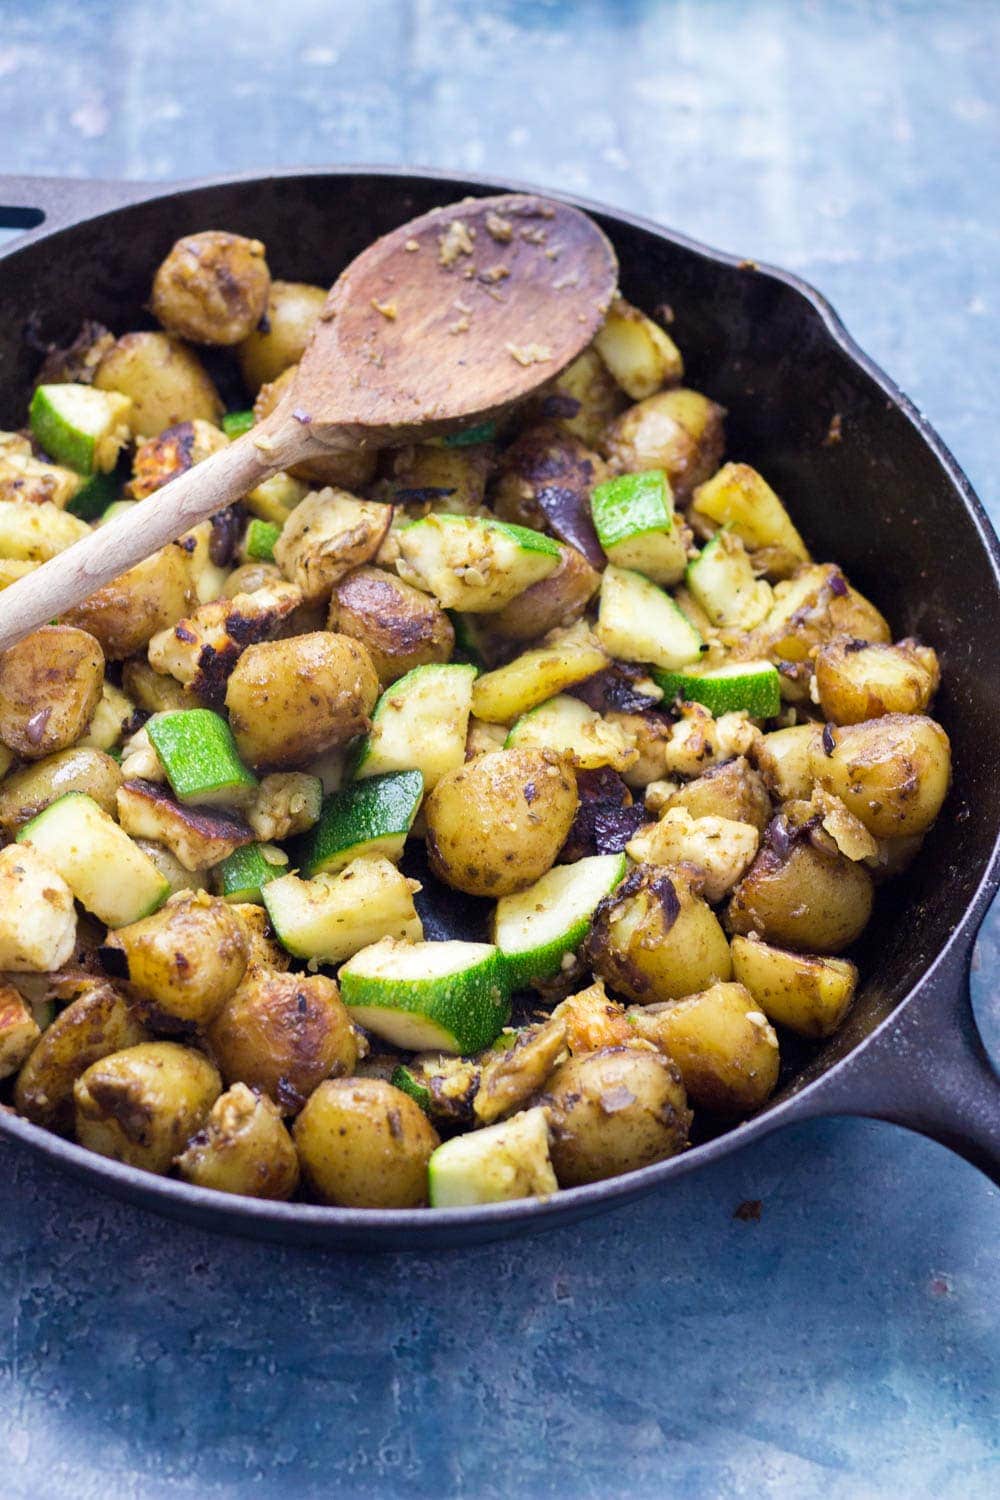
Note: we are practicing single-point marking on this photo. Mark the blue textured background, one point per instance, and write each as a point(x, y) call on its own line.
point(847, 1344)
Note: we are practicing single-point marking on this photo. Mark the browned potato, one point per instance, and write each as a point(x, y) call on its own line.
point(783, 758)
point(263, 948)
point(349, 469)
point(50, 685)
point(891, 773)
point(76, 362)
point(95, 1024)
point(425, 478)
point(125, 614)
point(544, 481)
point(858, 681)
point(808, 994)
point(654, 938)
point(812, 607)
point(212, 288)
point(592, 1021)
point(496, 824)
point(558, 600)
point(284, 1033)
point(803, 897)
point(679, 431)
point(364, 1144)
point(290, 700)
point(142, 1105)
point(733, 790)
point(182, 963)
point(326, 536)
point(243, 1147)
point(172, 452)
point(19, 1031)
point(165, 381)
point(583, 399)
point(280, 337)
point(724, 1047)
point(614, 1111)
point(401, 626)
point(25, 793)
point(152, 691)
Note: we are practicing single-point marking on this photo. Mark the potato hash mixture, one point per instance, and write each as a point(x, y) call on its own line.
point(581, 658)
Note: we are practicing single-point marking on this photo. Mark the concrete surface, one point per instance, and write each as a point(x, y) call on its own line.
point(846, 1345)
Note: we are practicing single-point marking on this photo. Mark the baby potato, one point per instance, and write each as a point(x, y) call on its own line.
point(326, 536)
point(541, 466)
point(165, 381)
point(556, 601)
point(497, 823)
point(289, 700)
point(783, 758)
point(858, 680)
point(243, 1147)
point(126, 613)
point(263, 948)
point(892, 773)
point(808, 994)
point(401, 626)
point(37, 914)
point(613, 1111)
point(283, 1034)
point(50, 685)
point(812, 607)
point(182, 963)
point(679, 431)
point(19, 1031)
point(725, 1048)
point(95, 1024)
point(212, 288)
point(280, 337)
point(655, 939)
point(142, 1105)
point(583, 399)
point(365, 1144)
point(424, 476)
point(24, 793)
point(732, 790)
point(804, 898)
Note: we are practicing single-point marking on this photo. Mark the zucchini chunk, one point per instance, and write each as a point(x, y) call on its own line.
point(258, 543)
point(445, 997)
point(332, 917)
point(495, 1165)
point(80, 426)
point(566, 658)
point(274, 499)
point(241, 876)
point(420, 724)
point(236, 423)
point(471, 563)
point(567, 725)
point(369, 818)
point(105, 870)
point(537, 929)
point(636, 525)
point(721, 579)
point(637, 621)
point(738, 496)
point(197, 750)
point(753, 686)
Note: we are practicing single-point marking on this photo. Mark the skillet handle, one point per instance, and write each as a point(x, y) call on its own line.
point(927, 1069)
point(32, 204)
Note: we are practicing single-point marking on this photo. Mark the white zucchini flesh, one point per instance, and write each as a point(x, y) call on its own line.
point(569, 726)
point(106, 870)
point(332, 917)
point(536, 929)
point(503, 1162)
point(638, 622)
point(472, 563)
point(721, 579)
point(420, 723)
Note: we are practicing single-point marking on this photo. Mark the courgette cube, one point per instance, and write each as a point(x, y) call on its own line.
point(332, 917)
point(258, 543)
point(722, 581)
point(235, 423)
point(636, 525)
point(274, 499)
point(537, 929)
point(473, 563)
point(753, 686)
point(198, 753)
point(568, 657)
point(80, 426)
point(407, 1083)
point(369, 818)
point(106, 871)
point(570, 727)
point(503, 1162)
point(444, 997)
point(95, 495)
point(637, 621)
point(420, 723)
point(242, 876)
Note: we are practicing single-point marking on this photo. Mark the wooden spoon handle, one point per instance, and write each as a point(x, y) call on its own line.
point(73, 575)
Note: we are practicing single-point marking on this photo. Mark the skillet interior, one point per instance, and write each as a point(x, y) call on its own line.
point(879, 501)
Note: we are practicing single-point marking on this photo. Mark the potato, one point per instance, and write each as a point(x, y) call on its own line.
point(32, 533)
point(808, 994)
point(496, 824)
point(510, 1075)
point(346, 468)
point(152, 691)
point(426, 478)
point(249, 578)
point(19, 1031)
point(544, 481)
point(891, 773)
point(858, 681)
point(679, 431)
point(556, 601)
point(280, 337)
point(783, 758)
point(812, 607)
point(263, 948)
point(142, 1105)
point(613, 1111)
point(654, 938)
point(803, 897)
point(364, 1144)
point(592, 1021)
point(37, 914)
point(125, 614)
point(739, 497)
point(583, 399)
point(95, 1024)
point(401, 626)
point(166, 382)
point(243, 1147)
point(724, 1047)
point(26, 792)
point(50, 685)
point(290, 700)
point(326, 536)
point(212, 288)
point(182, 963)
point(641, 357)
point(718, 847)
point(731, 790)
point(283, 1034)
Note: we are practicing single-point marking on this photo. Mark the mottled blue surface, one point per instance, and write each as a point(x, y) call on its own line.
point(848, 1344)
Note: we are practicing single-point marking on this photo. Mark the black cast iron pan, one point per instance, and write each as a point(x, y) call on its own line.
point(887, 501)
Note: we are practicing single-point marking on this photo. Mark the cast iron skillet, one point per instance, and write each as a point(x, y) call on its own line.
point(887, 501)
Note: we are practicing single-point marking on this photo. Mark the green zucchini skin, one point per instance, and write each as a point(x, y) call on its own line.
point(366, 817)
point(199, 755)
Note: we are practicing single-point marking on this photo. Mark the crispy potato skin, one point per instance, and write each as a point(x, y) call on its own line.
point(19, 1031)
point(280, 338)
point(125, 614)
point(327, 535)
point(283, 1034)
point(212, 288)
point(182, 963)
point(243, 1147)
point(165, 380)
point(496, 824)
point(732, 790)
point(544, 459)
point(807, 898)
point(892, 773)
point(95, 1024)
point(400, 626)
point(364, 1144)
point(141, 1106)
point(50, 685)
point(613, 1111)
point(290, 700)
point(723, 1045)
point(263, 948)
point(25, 793)
point(679, 431)
point(806, 993)
point(558, 600)
point(860, 680)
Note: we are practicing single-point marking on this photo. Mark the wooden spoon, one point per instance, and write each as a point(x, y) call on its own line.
point(442, 323)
